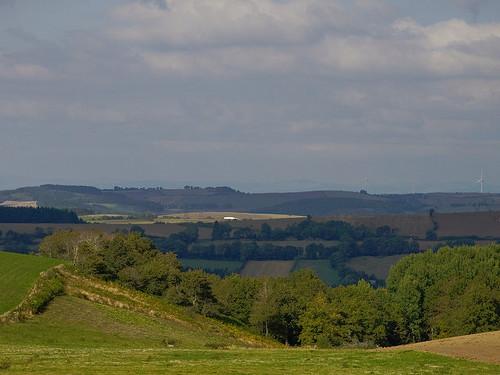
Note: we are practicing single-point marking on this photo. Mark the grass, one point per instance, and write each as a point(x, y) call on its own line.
point(211, 265)
point(378, 266)
point(276, 268)
point(71, 322)
point(483, 347)
point(102, 328)
point(183, 217)
point(322, 268)
point(210, 217)
point(44, 360)
point(17, 274)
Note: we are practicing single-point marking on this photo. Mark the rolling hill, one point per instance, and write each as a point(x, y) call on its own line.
point(87, 199)
point(100, 327)
point(93, 313)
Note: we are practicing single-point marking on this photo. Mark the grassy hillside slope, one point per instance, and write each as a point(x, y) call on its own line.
point(99, 327)
point(93, 313)
point(17, 275)
point(72, 322)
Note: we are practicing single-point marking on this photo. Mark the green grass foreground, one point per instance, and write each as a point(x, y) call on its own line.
point(18, 273)
point(40, 360)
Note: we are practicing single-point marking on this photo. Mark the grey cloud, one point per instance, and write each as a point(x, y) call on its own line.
point(327, 93)
point(473, 6)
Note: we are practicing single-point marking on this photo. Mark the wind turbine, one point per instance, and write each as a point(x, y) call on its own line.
point(481, 181)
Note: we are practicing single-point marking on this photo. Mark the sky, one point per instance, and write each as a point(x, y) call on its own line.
point(262, 95)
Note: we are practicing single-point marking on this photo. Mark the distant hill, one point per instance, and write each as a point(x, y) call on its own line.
point(86, 199)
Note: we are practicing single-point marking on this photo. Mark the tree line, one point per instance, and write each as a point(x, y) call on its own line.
point(429, 295)
point(245, 243)
point(37, 215)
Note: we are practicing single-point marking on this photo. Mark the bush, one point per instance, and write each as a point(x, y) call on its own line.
point(48, 289)
point(5, 364)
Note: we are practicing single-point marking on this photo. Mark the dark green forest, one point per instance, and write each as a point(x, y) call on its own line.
point(37, 215)
point(430, 295)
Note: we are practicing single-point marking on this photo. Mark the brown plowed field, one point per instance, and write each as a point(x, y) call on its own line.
point(480, 224)
point(483, 347)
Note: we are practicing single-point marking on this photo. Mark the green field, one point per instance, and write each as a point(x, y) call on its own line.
point(211, 265)
point(17, 274)
point(322, 268)
point(267, 268)
point(98, 327)
point(378, 266)
point(71, 322)
point(44, 360)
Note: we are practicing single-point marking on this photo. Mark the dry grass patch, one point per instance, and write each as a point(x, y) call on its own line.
point(479, 347)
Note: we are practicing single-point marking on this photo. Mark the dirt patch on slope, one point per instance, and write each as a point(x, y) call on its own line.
point(483, 347)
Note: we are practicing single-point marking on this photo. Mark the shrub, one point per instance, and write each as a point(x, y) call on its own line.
point(5, 364)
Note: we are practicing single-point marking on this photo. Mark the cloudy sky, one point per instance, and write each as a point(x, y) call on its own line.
point(257, 94)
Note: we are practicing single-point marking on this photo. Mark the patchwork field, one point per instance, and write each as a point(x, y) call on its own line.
point(17, 274)
point(294, 243)
point(157, 230)
point(210, 217)
point(276, 268)
point(378, 266)
point(322, 268)
point(211, 265)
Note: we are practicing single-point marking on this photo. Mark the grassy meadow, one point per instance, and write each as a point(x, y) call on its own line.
point(71, 322)
point(17, 274)
point(48, 360)
point(103, 328)
point(371, 265)
point(276, 268)
point(322, 268)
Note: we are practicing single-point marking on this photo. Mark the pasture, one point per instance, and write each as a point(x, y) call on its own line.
point(18, 272)
point(275, 268)
point(210, 217)
point(378, 266)
point(71, 322)
point(23, 359)
point(322, 268)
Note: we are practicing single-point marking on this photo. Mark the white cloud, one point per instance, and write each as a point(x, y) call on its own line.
point(216, 37)
point(188, 22)
point(221, 61)
point(450, 33)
